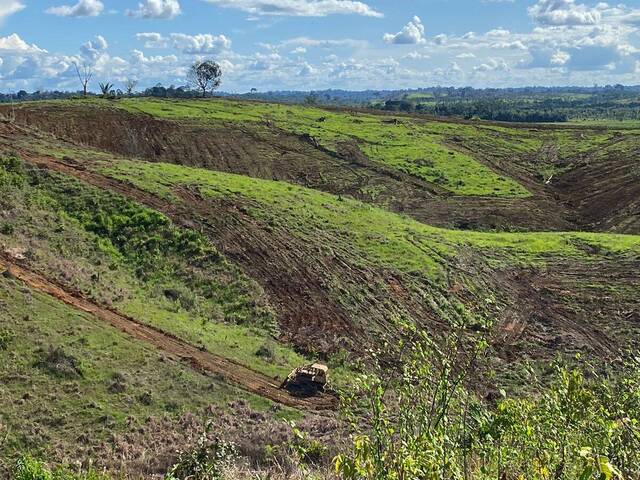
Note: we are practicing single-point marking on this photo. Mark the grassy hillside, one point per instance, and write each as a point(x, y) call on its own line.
point(382, 236)
point(375, 158)
point(237, 256)
point(73, 388)
point(134, 259)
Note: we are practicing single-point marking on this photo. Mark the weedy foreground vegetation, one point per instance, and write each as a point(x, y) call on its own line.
point(422, 397)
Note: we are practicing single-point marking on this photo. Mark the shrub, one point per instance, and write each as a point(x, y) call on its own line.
point(207, 460)
point(423, 423)
point(5, 338)
point(12, 173)
point(56, 361)
point(27, 468)
point(7, 229)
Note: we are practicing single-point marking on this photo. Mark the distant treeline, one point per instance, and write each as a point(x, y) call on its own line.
point(527, 104)
point(496, 110)
point(523, 105)
point(156, 91)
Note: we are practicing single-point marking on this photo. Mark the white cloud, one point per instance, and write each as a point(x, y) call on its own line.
point(152, 39)
point(417, 56)
point(159, 9)
point(201, 43)
point(411, 33)
point(565, 12)
point(299, 8)
point(84, 8)
point(13, 44)
point(9, 7)
point(93, 49)
point(138, 57)
point(559, 58)
point(491, 65)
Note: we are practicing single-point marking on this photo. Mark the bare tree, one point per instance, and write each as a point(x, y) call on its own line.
point(129, 85)
point(84, 75)
point(205, 76)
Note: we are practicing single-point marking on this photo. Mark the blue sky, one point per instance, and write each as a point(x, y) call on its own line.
point(317, 44)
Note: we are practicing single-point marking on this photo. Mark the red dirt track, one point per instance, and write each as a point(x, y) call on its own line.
point(178, 350)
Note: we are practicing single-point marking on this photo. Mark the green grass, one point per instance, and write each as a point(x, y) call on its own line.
point(42, 412)
point(416, 148)
point(134, 259)
point(383, 237)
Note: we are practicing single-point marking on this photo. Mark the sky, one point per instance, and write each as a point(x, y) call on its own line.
point(320, 44)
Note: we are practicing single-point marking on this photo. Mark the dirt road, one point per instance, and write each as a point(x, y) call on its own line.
point(201, 360)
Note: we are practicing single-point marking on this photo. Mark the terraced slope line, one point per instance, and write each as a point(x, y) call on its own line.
point(201, 360)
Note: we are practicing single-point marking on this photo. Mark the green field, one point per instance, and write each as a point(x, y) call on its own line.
point(100, 384)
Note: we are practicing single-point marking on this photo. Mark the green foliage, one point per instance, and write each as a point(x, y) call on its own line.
point(6, 336)
point(410, 429)
point(141, 235)
point(12, 172)
point(28, 468)
point(206, 460)
point(424, 424)
point(307, 450)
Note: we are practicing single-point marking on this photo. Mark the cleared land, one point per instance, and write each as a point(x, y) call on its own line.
point(275, 235)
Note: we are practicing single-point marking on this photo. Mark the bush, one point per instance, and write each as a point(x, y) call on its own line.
point(207, 460)
point(27, 468)
point(56, 361)
point(5, 338)
point(12, 173)
point(423, 423)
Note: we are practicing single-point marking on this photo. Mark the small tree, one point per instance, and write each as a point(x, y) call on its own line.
point(129, 85)
point(84, 75)
point(106, 88)
point(205, 76)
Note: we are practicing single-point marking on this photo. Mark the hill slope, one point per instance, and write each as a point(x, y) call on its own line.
point(264, 237)
point(452, 174)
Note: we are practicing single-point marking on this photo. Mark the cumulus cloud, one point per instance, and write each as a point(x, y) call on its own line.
point(139, 58)
point(93, 49)
point(492, 65)
point(201, 43)
point(9, 7)
point(84, 8)
point(159, 9)
point(152, 39)
point(565, 12)
point(13, 44)
point(299, 8)
point(411, 33)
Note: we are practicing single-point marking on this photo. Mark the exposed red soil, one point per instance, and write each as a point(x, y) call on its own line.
point(326, 300)
point(278, 155)
point(176, 349)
